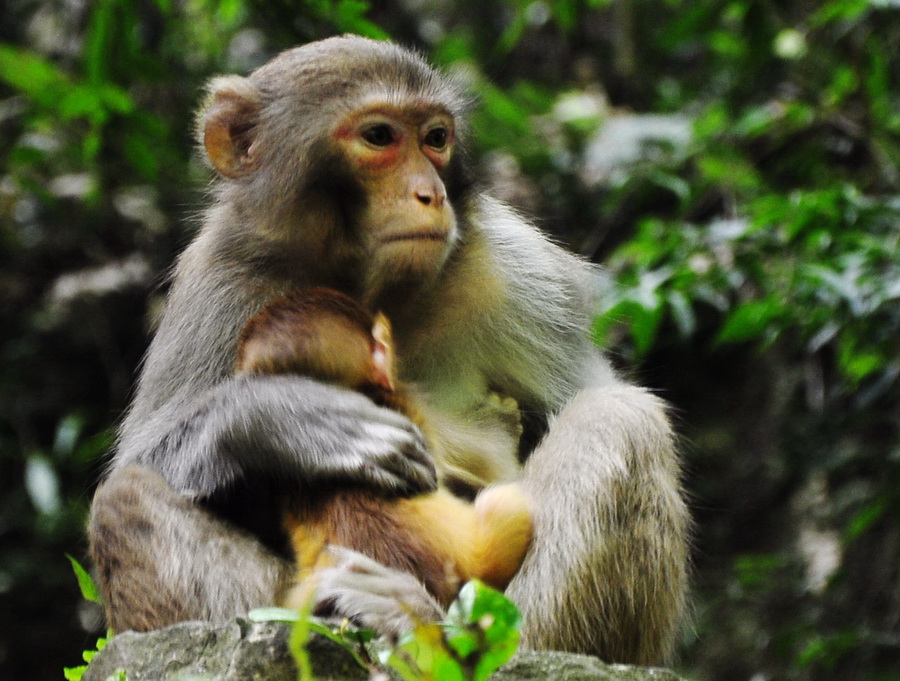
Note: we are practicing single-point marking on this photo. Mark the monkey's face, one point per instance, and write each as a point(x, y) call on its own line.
point(344, 151)
point(400, 156)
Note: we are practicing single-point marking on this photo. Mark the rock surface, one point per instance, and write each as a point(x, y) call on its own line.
point(244, 651)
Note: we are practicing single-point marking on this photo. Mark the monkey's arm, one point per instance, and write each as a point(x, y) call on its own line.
point(607, 573)
point(202, 428)
point(161, 559)
point(288, 429)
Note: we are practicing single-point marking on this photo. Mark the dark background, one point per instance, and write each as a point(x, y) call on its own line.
point(734, 163)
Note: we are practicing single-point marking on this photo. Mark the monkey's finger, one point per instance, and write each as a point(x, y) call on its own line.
point(380, 464)
point(402, 456)
point(399, 475)
point(373, 595)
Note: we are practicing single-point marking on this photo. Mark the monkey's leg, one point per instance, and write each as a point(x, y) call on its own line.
point(607, 570)
point(161, 559)
point(310, 542)
point(503, 532)
point(429, 537)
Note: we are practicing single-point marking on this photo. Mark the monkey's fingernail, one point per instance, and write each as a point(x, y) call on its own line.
point(325, 608)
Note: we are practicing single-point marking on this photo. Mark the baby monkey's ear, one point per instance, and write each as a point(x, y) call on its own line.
point(383, 353)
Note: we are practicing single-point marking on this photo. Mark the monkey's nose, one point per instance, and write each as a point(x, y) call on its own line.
point(430, 196)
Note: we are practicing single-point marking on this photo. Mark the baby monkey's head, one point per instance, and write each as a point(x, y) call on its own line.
point(320, 333)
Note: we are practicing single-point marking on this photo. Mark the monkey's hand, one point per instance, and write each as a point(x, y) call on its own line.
point(371, 595)
point(504, 411)
point(294, 430)
point(369, 445)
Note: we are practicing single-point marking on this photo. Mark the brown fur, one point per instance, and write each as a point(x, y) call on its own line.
point(441, 539)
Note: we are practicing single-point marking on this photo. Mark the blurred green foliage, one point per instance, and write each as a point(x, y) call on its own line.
point(752, 245)
point(478, 636)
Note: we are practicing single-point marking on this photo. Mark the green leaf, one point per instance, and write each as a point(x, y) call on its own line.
point(81, 102)
point(505, 110)
point(566, 14)
point(727, 44)
point(642, 312)
point(513, 33)
point(351, 639)
point(756, 121)
point(89, 589)
point(673, 183)
point(712, 122)
point(878, 83)
point(730, 170)
point(493, 617)
point(645, 326)
point(34, 76)
point(422, 655)
point(869, 515)
point(476, 600)
point(757, 570)
point(848, 11)
point(750, 321)
point(89, 655)
point(300, 635)
point(858, 365)
point(115, 99)
point(827, 651)
point(479, 634)
point(856, 359)
point(273, 615)
point(74, 673)
point(682, 313)
point(349, 16)
point(844, 82)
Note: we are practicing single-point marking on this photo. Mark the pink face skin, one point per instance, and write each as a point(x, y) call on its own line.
point(400, 156)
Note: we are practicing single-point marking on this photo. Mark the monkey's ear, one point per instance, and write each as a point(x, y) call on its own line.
point(383, 352)
point(227, 125)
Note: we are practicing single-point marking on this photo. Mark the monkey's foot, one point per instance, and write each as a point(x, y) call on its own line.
point(373, 596)
point(505, 410)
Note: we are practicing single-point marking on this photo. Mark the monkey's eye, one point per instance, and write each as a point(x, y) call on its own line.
point(378, 135)
point(436, 138)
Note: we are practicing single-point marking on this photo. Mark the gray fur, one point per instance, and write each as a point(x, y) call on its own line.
point(508, 311)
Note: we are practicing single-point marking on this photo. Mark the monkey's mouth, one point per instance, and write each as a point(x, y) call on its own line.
point(424, 235)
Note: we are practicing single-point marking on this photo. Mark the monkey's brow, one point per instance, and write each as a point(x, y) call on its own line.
point(414, 110)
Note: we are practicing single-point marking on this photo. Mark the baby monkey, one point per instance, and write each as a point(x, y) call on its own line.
point(438, 537)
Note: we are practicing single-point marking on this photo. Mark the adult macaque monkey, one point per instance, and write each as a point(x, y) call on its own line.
point(340, 165)
point(437, 537)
